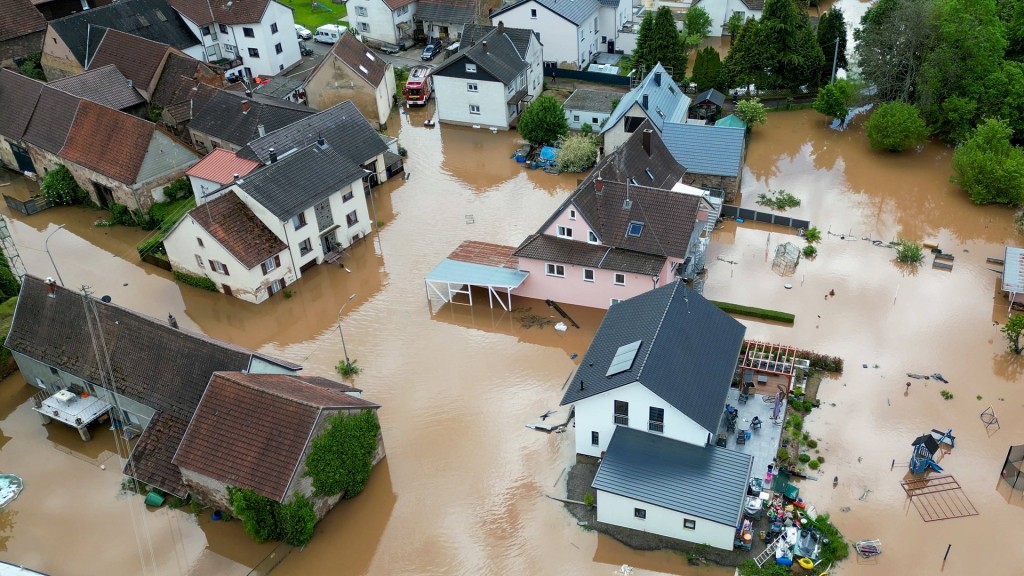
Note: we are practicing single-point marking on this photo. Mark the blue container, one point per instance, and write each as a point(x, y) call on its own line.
point(784, 561)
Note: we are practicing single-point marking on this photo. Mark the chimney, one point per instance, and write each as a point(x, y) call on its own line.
point(130, 83)
point(51, 287)
point(657, 78)
point(245, 105)
point(273, 155)
point(238, 178)
point(262, 131)
point(172, 321)
point(599, 185)
point(321, 142)
point(501, 26)
point(647, 141)
point(485, 46)
point(643, 102)
point(248, 93)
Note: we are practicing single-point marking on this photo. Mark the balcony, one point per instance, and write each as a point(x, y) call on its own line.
point(622, 419)
point(655, 426)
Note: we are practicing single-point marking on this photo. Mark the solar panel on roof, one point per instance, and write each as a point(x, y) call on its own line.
point(623, 359)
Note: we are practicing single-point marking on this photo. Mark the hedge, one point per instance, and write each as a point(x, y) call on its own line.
point(761, 313)
point(197, 281)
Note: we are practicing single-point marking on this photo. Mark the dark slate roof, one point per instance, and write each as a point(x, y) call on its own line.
point(448, 11)
point(301, 179)
point(20, 18)
point(51, 123)
point(19, 95)
point(151, 19)
point(341, 125)
point(702, 481)
point(704, 149)
point(203, 12)
point(225, 442)
point(223, 118)
point(592, 100)
point(473, 33)
point(687, 357)
point(137, 58)
point(575, 11)
point(631, 160)
point(501, 58)
point(150, 460)
point(189, 99)
point(238, 230)
point(565, 251)
point(710, 95)
point(104, 85)
point(179, 74)
point(665, 101)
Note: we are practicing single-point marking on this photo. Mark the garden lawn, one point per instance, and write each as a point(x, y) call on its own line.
point(313, 16)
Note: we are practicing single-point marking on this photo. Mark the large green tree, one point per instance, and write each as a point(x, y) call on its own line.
point(895, 126)
point(659, 41)
point(832, 28)
point(1002, 95)
point(697, 22)
point(746, 63)
point(1013, 329)
point(782, 51)
point(544, 121)
point(988, 167)
point(707, 70)
point(833, 100)
point(892, 42)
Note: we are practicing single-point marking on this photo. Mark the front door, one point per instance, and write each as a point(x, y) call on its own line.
point(328, 241)
point(611, 46)
point(22, 158)
point(227, 289)
point(104, 194)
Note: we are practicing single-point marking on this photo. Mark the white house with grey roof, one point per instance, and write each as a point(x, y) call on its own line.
point(567, 28)
point(721, 10)
point(657, 98)
point(492, 78)
point(592, 107)
point(388, 21)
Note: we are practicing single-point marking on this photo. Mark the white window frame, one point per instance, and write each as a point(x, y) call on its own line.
point(614, 301)
point(472, 87)
point(590, 272)
point(269, 265)
point(199, 260)
point(470, 67)
point(474, 108)
point(364, 27)
point(565, 232)
point(572, 214)
point(554, 270)
point(592, 237)
point(619, 275)
point(689, 524)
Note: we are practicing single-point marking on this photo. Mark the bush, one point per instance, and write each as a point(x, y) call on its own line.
point(577, 153)
point(30, 67)
point(348, 368)
point(837, 549)
point(832, 100)
point(10, 285)
point(341, 458)
point(821, 459)
point(401, 75)
point(782, 455)
point(297, 519)
point(196, 281)
point(587, 128)
point(813, 465)
point(180, 188)
point(812, 235)
point(946, 394)
point(812, 443)
point(588, 499)
point(825, 363)
point(543, 122)
point(762, 313)
point(778, 199)
point(810, 251)
point(153, 245)
point(988, 167)
point(908, 252)
point(121, 215)
point(751, 111)
point(796, 422)
point(895, 126)
point(60, 188)
point(804, 458)
point(259, 514)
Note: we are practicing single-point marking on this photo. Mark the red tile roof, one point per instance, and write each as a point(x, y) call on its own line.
point(485, 253)
point(140, 60)
point(396, 4)
point(221, 165)
point(204, 12)
point(108, 141)
point(20, 18)
point(238, 230)
point(251, 430)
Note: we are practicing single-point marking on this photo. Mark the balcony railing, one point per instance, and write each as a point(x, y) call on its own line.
point(655, 426)
point(622, 419)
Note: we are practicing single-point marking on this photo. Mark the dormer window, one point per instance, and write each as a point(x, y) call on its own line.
point(470, 67)
point(635, 229)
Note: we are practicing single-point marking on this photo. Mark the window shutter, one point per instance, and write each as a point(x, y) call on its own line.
point(213, 266)
point(263, 267)
point(277, 260)
point(224, 267)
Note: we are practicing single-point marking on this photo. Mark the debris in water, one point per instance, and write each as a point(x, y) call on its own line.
point(917, 376)
point(545, 415)
point(790, 287)
point(940, 378)
point(561, 327)
point(573, 356)
point(844, 509)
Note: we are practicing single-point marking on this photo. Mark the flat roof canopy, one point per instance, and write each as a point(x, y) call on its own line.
point(1013, 270)
point(489, 266)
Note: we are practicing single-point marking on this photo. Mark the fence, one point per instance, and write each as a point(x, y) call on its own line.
point(611, 79)
point(28, 207)
point(730, 211)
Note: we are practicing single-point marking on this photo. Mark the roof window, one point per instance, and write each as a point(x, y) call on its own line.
point(635, 229)
point(649, 173)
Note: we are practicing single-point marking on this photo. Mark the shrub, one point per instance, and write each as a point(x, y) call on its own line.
point(821, 459)
point(837, 549)
point(778, 199)
point(895, 126)
point(121, 215)
point(180, 188)
point(832, 100)
point(60, 188)
point(804, 458)
point(988, 167)
point(812, 443)
point(810, 251)
point(825, 363)
point(341, 458)
point(755, 312)
point(813, 464)
point(348, 368)
point(751, 111)
point(796, 422)
point(577, 153)
point(587, 128)
point(946, 394)
point(30, 67)
point(782, 455)
point(196, 281)
point(297, 519)
point(10, 285)
point(153, 245)
point(812, 235)
point(908, 252)
point(588, 499)
point(259, 514)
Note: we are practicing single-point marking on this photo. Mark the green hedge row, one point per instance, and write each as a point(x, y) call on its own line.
point(762, 313)
point(197, 281)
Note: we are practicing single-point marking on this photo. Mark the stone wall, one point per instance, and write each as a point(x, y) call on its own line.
point(334, 83)
point(730, 184)
point(206, 490)
point(20, 47)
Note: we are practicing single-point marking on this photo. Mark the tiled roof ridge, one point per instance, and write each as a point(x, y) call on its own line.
point(657, 331)
point(252, 386)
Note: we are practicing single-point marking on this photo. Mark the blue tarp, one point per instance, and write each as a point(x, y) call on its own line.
point(547, 153)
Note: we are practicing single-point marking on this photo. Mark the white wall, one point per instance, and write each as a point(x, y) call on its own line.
point(202, 186)
point(577, 118)
point(269, 62)
point(621, 511)
point(559, 36)
point(720, 10)
point(597, 413)
point(386, 95)
point(454, 99)
point(616, 135)
point(380, 22)
point(535, 59)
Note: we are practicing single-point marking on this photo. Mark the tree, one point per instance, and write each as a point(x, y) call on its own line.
point(988, 167)
point(746, 63)
point(707, 70)
point(60, 187)
point(832, 28)
point(697, 22)
point(752, 112)
point(10, 286)
point(892, 43)
point(780, 52)
point(544, 121)
point(1013, 329)
point(832, 100)
point(259, 514)
point(576, 153)
point(661, 43)
point(642, 53)
point(734, 24)
point(1002, 96)
point(340, 459)
point(895, 126)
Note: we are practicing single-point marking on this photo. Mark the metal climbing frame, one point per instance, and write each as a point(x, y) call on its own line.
point(10, 249)
point(938, 498)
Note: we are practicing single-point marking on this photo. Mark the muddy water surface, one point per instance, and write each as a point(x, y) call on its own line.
point(463, 488)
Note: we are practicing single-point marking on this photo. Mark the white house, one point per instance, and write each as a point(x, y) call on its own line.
point(657, 98)
point(384, 20)
point(251, 37)
point(492, 78)
point(655, 484)
point(256, 235)
point(592, 107)
point(445, 19)
point(721, 10)
point(568, 30)
point(612, 18)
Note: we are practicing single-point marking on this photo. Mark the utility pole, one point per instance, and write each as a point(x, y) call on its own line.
point(835, 60)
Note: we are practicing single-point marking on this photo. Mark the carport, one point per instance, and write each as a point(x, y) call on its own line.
point(479, 264)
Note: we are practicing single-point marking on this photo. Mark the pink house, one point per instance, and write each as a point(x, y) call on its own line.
point(629, 228)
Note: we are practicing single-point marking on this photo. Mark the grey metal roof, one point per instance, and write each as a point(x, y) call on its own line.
point(280, 86)
point(223, 116)
point(665, 101)
point(151, 19)
point(703, 149)
point(592, 100)
point(299, 180)
point(104, 85)
point(703, 481)
point(1013, 270)
point(342, 125)
point(710, 95)
point(501, 59)
point(687, 357)
point(575, 11)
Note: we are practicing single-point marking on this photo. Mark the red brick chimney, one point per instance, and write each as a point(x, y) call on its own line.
point(245, 106)
point(599, 185)
point(501, 26)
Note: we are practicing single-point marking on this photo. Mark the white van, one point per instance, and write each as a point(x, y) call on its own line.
point(329, 33)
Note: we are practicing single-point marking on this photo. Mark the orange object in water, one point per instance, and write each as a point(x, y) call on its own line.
point(85, 394)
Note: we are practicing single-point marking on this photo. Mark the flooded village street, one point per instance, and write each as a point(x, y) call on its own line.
point(463, 488)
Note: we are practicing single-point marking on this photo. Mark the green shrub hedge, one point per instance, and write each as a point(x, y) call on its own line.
point(761, 313)
point(197, 281)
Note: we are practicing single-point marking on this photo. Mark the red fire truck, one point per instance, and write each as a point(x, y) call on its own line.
point(419, 87)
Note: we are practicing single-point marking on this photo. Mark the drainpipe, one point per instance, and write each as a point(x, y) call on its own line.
point(291, 253)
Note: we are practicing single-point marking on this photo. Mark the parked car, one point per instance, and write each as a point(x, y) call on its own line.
point(432, 49)
point(302, 32)
point(390, 48)
point(305, 50)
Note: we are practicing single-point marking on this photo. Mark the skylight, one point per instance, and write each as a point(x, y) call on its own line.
point(635, 229)
point(649, 173)
point(633, 181)
point(363, 69)
point(370, 56)
point(623, 359)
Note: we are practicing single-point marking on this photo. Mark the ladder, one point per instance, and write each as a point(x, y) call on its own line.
point(768, 553)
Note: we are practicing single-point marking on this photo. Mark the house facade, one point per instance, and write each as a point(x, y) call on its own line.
point(22, 28)
point(250, 38)
point(492, 78)
point(612, 18)
point(445, 20)
point(389, 21)
point(721, 10)
point(592, 107)
point(352, 72)
point(568, 30)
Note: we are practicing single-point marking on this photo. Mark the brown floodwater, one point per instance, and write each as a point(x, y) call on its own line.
point(463, 488)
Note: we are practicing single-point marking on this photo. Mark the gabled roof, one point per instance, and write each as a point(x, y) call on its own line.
point(20, 18)
point(137, 58)
point(357, 57)
point(190, 98)
point(703, 149)
point(224, 116)
point(665, 101)
point(447, 11)
point(301, 179)
point(565, 251)
point(220, 166)
point(592, 100)
point(151, 19)
point(520, 37)
point(179, 74)
point(19, 95)
point(203, 12)
point(51, 121)
point(238, 229)
point(150, 460)
point(575, 11)
point(499, 57)
point(104, 85)
point(731, 121)
point(396, 4)
point(226, 443)
point(710, 95)
point(342, 125)
point(125, 141)
point(687, 356)
point(703, 481)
